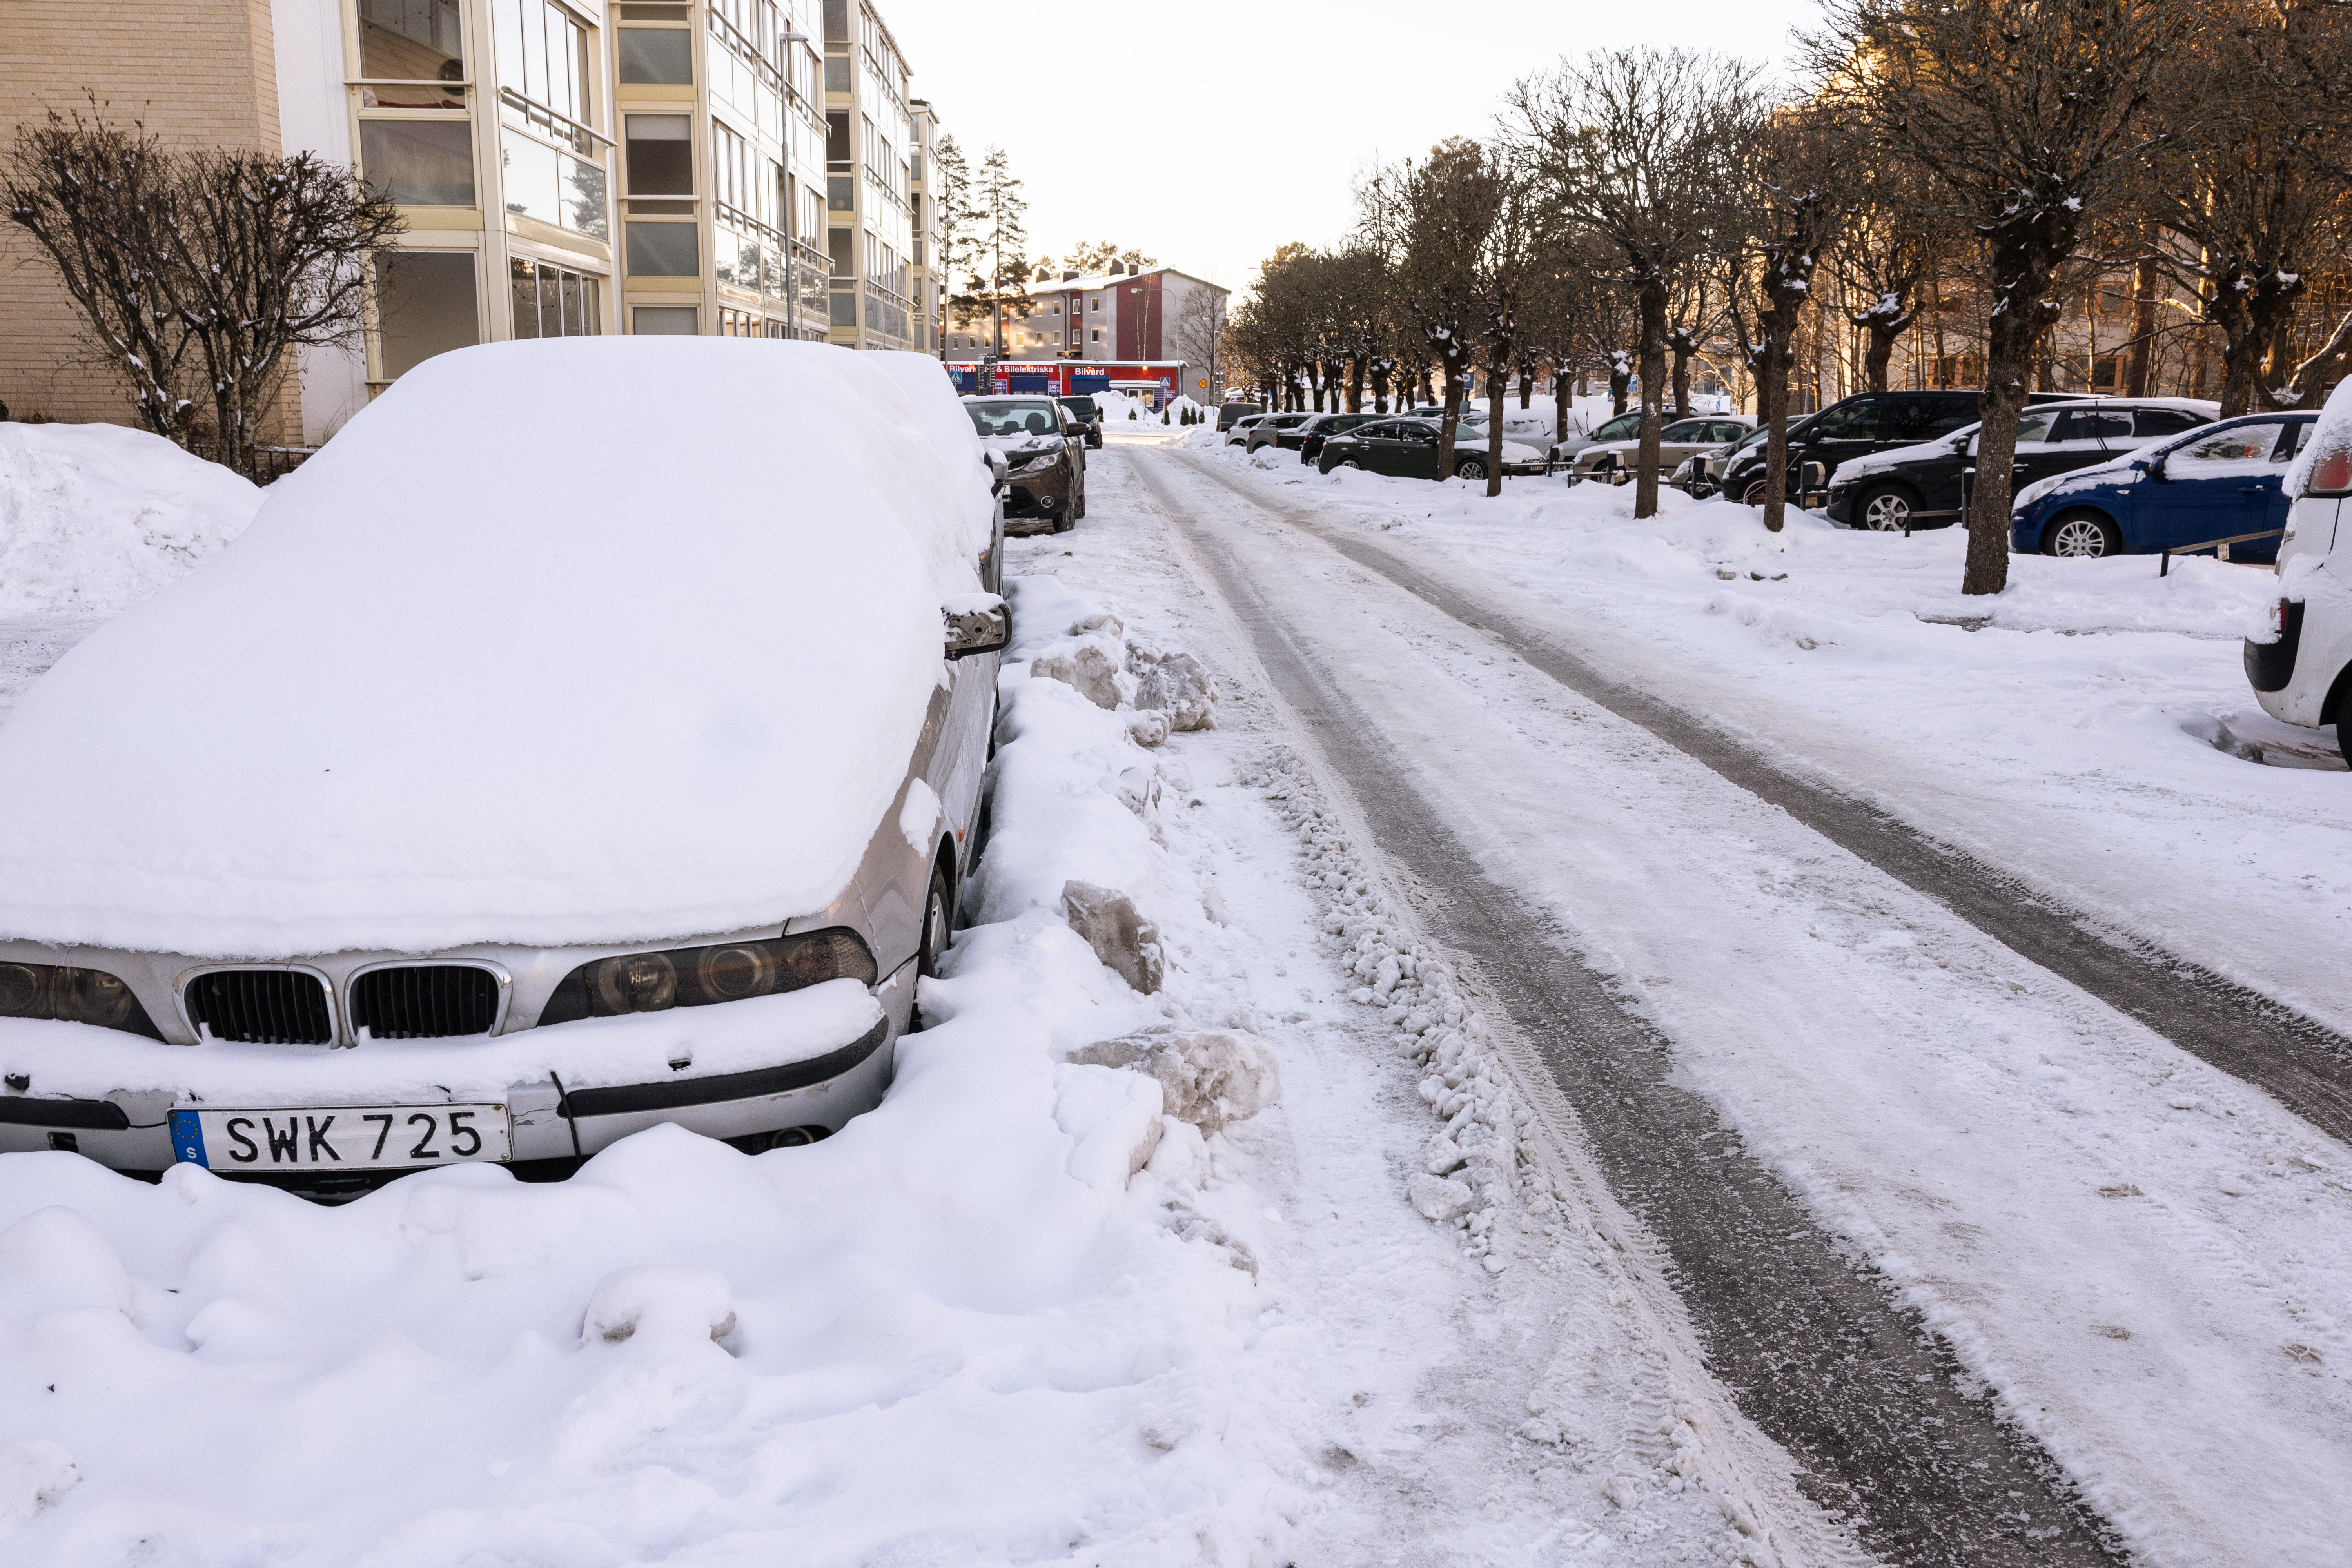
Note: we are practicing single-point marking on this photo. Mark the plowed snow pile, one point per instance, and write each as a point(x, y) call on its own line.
point(95, 517)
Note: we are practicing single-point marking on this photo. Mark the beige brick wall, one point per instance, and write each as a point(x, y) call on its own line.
point(195, 72)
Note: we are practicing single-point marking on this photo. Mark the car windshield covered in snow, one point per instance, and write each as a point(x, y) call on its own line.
point(1014, 415)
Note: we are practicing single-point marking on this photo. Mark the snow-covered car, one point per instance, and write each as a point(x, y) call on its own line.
point(1617, 427)
point(537, 768)
point(1857, 426)
point(2218, 482)
point(1409, 448)
point(1237, 432)
point(1044, 455)
point(1227, 413)
point(1926, 485)
point(1683, 439)
point(2301, 667)
point(1307, 439)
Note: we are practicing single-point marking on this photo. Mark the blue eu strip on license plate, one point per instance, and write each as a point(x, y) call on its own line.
point(188, 1139)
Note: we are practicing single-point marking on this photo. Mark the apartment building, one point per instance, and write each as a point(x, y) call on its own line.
point(564, 167)
point(927, 284)
point(869, 144)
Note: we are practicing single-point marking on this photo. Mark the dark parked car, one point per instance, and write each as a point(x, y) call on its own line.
point(1622, 426)
point(1857, 426)
point(1048, 457)
point(1408, 449)
point(2215, 482)
point(1229, 412)
point(1308, 438)
point(1085, 416)
point(1926, 485)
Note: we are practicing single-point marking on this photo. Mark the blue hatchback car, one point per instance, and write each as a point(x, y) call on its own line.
point(2217, 481)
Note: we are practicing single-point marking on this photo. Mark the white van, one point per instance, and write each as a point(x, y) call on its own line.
point(2302, 668)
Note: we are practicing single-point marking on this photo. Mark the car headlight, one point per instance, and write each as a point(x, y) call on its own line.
point(699, 976)
point(1039, 463)
point(2035, 491)
point(74, 996)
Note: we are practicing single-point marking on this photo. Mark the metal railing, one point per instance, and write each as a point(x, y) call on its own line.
point(2220, 547)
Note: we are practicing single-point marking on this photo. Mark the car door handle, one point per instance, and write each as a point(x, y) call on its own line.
point(2251, 490)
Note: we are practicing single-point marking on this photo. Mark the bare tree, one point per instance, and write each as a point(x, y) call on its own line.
point(957, 219)
point(1200, 336)
point(1505, 272)
point(1899, 238)
point(214, 261)
point(998, 280)
point(2029, 119)
point(1795, 188)
point(1637, 146)
point(95, 199)
point(1429, 223)
point(2249, 187)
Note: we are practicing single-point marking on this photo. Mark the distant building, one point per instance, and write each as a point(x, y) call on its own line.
point(1132, 315)
point(869, 147)
point(1158, 382)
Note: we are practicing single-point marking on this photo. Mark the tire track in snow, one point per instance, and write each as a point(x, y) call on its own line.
point(2301, 1063)
point(1890, 1431)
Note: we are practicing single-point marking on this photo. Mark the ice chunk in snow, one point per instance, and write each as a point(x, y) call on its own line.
point(54, 1259)
point(1209, 1077)
point(918, 819)
point(1123, 939)
point(32, 1476)
point(1436, 1197)
point(666, 1306)
point(1085, 668)
point(1179, 684)
point(1114, 1119)
point(1148, 727)
point(95, 517)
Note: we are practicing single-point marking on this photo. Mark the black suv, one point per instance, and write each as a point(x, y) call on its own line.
point(1086, 417)
point(1928, 488)
point(1857, 426)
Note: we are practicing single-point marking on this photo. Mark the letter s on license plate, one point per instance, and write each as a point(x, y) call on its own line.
point(341, 1137)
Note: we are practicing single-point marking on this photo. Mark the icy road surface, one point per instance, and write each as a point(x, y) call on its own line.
point(2138, 1256)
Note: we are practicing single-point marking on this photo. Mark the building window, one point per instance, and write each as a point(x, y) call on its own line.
point(845, 310)
point(665, 321)
point(836, 138)
point(420, 162)
point(544, 59)
point(663, 250)
point(1096, 334)
point(425, 305)
point(836, 74)
point(660, 149)
point(414, 44)
point(552, 301)
point(655, 57)
point(1094, 304)
point(553, 187)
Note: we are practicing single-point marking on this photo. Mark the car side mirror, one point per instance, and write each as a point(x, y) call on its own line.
point(1960, 445)
point(1812, 476)
point(977, 624)
point(998, 472)
point(2152, 466)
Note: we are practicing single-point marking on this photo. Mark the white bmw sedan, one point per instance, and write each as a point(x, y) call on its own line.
point(589, 737)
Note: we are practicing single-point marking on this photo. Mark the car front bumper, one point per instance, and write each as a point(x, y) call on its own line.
point(1044, 495)
point(813, 1058)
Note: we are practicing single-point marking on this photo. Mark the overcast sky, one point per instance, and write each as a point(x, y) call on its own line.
point(1281, 102)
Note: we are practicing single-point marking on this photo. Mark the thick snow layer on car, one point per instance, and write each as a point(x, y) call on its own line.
point(2331, 435)
point(640, 660)
point(933, 398)
point(96, 517)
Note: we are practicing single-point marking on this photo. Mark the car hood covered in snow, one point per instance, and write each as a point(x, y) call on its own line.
point(580, 640)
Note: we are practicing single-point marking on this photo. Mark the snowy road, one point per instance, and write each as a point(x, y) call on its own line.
point(1721, 991)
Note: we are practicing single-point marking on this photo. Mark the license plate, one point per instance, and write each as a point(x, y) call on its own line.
point(341, 1137)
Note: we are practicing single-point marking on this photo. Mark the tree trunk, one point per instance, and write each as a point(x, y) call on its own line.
point(1559, 404)
point(1454, 391)
point(1527, 387)
point(2143, 324)
point(1498, 387)
point(1380, 386)
point(1621, 380)
point(1772, 406)
point(1681, 357)
point(2013, 343)
point(1653, 301)
point(1879, 352)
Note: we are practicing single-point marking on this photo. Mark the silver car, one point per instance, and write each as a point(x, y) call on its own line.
point(331, 1033)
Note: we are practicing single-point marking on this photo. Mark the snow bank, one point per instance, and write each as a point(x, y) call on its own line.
point(688, 1354)
point(597, 639)
point(96, 517)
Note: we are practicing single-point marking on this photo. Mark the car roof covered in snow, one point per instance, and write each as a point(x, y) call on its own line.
point(593, 639)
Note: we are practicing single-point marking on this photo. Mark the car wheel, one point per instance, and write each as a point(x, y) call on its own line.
point(1887, 511)
point(1754, 493)
point(939, 925)
point(1352, 463)
point(1470, 468)
point(2082, 532)
point(1080, 510)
